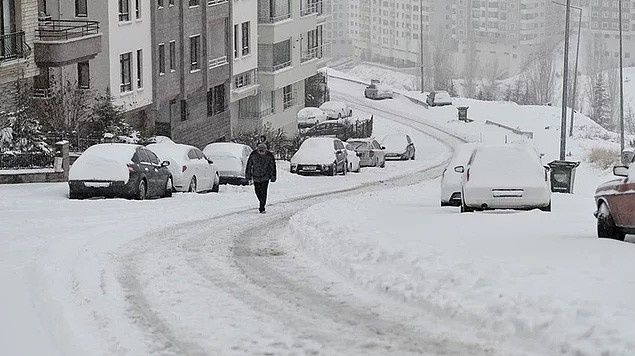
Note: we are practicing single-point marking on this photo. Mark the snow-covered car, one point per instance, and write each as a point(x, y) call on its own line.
point(398, 146)
point(320, 155)
point(371, 154)
point(230, 160)
point(451, 179)
point(376, 91)
point(336, 110)
point(504, 177)
point(353, 159)
point(439, 98)
point(309, 117)
point(119, 170)
point(615, 204)
point(191, 170)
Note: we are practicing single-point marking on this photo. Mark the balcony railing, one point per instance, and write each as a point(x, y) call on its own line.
point(63, 30)
point(315, 52)
point(245, 80)
point(275, 67)
point(309, 7)
point(215, 2)
point(218, 62)
point(272, 11)
point(13, 46)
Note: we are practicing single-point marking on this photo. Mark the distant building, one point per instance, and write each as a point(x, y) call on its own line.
point(339, 28)
point(191, 68)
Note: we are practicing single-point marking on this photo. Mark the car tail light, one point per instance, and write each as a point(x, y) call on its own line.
point(468, 175)
point(132, 168)
point(184, 168)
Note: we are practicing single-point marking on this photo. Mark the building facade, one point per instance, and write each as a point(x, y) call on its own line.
point(507, 33)
point(338, 29)
point(244, 83)
point(191, 69)
point(292, 46)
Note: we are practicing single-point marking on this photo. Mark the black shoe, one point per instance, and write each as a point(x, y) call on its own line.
point(262, 211)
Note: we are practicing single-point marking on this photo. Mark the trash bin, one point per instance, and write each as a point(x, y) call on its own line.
point(463, 113)
point(563, 176)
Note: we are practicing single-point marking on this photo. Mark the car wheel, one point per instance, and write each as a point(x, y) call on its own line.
point(339, 116)
point(74, 195)
point(546, 208)
point(142, 190)
point(192, 187)
point(606, 225)
point(216, 185)
point(413, 156)
point(169, 187)
point(383, 164)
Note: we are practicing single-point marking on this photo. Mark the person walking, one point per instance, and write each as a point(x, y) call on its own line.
point(263, 139)
point(261, 168)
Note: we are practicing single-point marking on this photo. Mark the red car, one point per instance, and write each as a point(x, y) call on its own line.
point(615, 201)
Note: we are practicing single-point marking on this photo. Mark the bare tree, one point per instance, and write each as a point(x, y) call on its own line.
point(470, 69)
point(541, 76)
point(441, 63)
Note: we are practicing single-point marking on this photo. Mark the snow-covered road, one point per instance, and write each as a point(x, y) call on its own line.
point(359, 264)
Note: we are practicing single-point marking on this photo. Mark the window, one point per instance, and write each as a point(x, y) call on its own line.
point(245, 35)
point(124, 64)
point(195, 45)
point(81, 8)
point(288, 99)
point(139, 69)
point(216, 100)
point(153, 158)
point(83, 75)
point(195, 2)
point(191, 154)
point(161, 58)
point(171, 2)
point(236, 42)
point(160, 4)
point(137, 9)
point(124, 10)
point(172, 56)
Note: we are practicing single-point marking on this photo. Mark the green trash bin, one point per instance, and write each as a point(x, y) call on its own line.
point(463, 113)
point(563, 176)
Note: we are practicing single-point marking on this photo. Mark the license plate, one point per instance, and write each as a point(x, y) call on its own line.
point(507, 193)
point(97, 184)
point(309, 168)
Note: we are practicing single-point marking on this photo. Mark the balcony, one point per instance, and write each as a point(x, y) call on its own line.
point(62, 42)
point(245, 85)
point(272, 11)
point(13, 46)
point(322, 52)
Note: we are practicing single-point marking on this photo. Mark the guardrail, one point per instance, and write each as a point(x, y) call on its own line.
point(13, 46)
point(56, 30)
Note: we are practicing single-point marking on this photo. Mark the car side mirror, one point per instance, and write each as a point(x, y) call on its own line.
point(620, 171)
point(210, 161)
point(383, 147)
point(165, 163)
point(459, 169)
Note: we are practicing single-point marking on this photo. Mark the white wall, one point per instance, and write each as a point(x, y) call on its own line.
point(129, 37)
point(246, 10)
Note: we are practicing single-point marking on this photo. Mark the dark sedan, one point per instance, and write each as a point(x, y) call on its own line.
point(119, 170)
point(615, 202)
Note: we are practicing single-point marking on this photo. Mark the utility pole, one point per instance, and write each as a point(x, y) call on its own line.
point(565, 82)
point(575, 75)
point(621, 85)
point(421, 40)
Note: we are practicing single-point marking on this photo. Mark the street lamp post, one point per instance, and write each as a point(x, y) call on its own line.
point(577, 57)
point(565, 79)
point(621, 84)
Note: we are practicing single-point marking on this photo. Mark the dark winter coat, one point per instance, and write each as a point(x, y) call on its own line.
point(261, 167)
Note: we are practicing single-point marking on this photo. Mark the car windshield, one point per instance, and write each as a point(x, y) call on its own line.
point(359, 145)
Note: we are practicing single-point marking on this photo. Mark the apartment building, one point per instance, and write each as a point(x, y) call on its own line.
point(338, 29)
point(505, 32)
point(244, 83)
point(18, 22)
point(292, 46)
point(191, 41)
point(391, 32)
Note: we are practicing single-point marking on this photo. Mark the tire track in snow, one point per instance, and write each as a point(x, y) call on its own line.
point(265, 281)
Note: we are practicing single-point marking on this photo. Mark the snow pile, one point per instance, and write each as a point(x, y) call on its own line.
point(535, 278)
point(386, 75)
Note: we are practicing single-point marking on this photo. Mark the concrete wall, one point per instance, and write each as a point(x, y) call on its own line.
point(243, 11)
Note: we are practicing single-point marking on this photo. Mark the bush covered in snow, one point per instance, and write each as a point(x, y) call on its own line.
point(604, 158)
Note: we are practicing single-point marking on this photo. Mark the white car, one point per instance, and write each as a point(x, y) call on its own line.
point(336, 110)
point(439, 98)
point(320, 155)
point(309, 117)
point(451, 179)
point(354, 163)
point(230, 159)
point(504, 177)
point(191, 169)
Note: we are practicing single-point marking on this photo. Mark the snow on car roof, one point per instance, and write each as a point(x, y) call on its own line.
point(332, 105)
point(235, 149)
point(120, 152)
point(309, 112)
point(170, 149)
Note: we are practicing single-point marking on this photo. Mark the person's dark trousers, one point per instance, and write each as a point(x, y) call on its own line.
point(261, 192)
